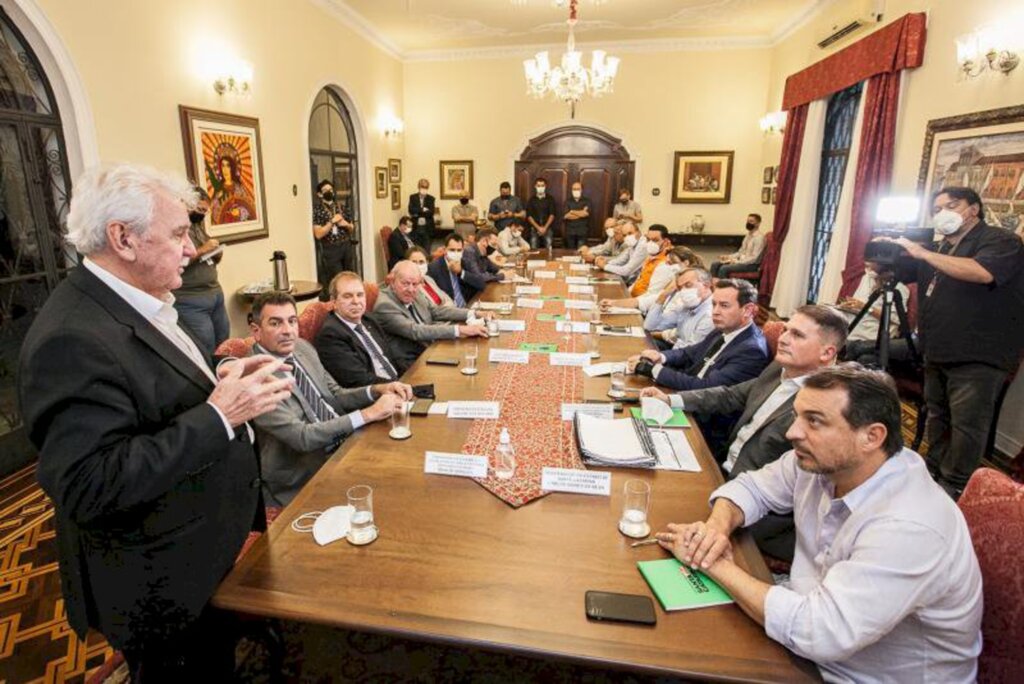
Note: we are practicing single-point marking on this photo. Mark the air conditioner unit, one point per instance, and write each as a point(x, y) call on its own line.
point(843, 29)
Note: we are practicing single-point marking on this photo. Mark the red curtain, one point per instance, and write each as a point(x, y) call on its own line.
point(792, 144)
point(874, 170)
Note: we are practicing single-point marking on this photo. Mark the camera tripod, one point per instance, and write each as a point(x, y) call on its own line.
point(891, 298)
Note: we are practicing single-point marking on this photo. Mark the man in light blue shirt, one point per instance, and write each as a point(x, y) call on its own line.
point(631, 259)
point(885, 584)
point(684, 317)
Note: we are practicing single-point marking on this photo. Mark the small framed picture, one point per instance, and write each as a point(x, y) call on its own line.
point(775, 175)
point(456, 178)
point(380, 181)
point(394, 170)
point(774, 190)
point(766, 176)
point(766, 195)
point(396, 196)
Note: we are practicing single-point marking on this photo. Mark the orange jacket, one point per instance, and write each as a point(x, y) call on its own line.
point(643, 281)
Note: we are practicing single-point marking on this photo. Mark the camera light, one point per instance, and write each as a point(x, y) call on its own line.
point(898, 210)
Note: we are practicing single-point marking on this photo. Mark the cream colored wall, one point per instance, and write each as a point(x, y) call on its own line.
point(140, 59)
point(478, 109)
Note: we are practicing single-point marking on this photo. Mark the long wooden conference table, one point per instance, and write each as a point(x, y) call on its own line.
point(456, 565)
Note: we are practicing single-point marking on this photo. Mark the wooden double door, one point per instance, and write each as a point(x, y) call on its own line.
point(571, 154)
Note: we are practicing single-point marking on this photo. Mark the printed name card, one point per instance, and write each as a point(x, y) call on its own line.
point(576, 481)
point(490, 306)
point(456, 465)
point(530, 303)
point(570, 259)
point(599, 369)
point(567, 359)
point(581, 289)
point(577, 280)
point(527, 289)
point(602, 411)
point(544, 275)
point(579, 304)
point(572, 326)
point(508, 356)
point(474, 410)
point(536, 263)
point(511, 325)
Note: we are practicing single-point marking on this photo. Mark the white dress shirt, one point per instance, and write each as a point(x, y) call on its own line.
point(660, 278)
point(162, 315)
point(884, 586)
point(786, 389)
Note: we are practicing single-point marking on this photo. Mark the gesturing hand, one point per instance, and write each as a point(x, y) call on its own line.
point(248, 388)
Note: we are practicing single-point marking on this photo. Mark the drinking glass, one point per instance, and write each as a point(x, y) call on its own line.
point(400, 422)
point(492, 327)
point(636, 502)
point(592, 340)
point(472, 352)
point(618, 387)
point(362, 530)
point(507, 302)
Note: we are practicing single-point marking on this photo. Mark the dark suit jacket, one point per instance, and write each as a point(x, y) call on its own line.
point(398, 245)
point(424, 210)
point(153, 500)
point(479, 265)
point(774, 534)
point(742, 359)
point(345, 357)
point(470, 282)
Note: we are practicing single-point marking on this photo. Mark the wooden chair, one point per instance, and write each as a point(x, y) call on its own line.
point(385, 236)
point(234, 346)
point(754, 276)
point(312, 318)
point(772, 331)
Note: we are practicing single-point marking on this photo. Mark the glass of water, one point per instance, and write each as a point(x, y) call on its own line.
point(362, 530)
point(506, 304)
point(618, 387)
point(472, 353)
point(492, 327)
point(636, 502)
point(400, 422)
point(592, 340)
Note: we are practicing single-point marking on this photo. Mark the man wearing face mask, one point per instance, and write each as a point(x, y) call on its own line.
point(611, 247)
point(577, 218)
point(452, 276)
point(465, 215)
point(200, 299)
point(476, 257)
point(421, 210)
point(681, 316)
point(629, 262)
point(505, 208)
point(540, 214)
point(748, 258)
point(971, 299)
point(655, 275)
point(400, 242)
point(333, 233)
point(511, 241)
point(627, 210)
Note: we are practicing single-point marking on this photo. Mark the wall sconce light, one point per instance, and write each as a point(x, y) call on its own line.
point(986, 49)
point(234, 79)
point(391, 125)
point(773, 122)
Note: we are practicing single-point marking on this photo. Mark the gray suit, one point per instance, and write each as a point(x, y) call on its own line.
point(408, 337)
point(293, 445)
point(774, 534)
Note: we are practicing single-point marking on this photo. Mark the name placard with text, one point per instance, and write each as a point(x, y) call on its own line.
point(576, 481)
point(455, 465)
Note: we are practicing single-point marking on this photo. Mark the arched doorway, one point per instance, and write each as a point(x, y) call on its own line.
point(574, 153)
point(333, 155)
point(34, 192)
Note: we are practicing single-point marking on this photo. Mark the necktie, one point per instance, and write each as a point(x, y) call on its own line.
point(460, 300)
point(415, 315)
point(698, 367)
point(321, 409)
point(371, 346)
point(430, 293)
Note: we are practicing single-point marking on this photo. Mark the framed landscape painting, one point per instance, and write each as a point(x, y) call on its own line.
point(983, 151)
point(380, 181)
point(702, 177)
point(456, 178)
point(223, 156)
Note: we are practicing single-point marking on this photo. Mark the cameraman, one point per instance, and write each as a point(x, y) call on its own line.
point(971, 291)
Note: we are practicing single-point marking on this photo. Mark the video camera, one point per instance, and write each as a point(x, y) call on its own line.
point(891, 257)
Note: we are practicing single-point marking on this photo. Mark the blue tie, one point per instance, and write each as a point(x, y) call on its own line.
point(460, 300)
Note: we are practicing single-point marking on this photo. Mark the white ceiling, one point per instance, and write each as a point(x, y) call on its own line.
point(414, 28)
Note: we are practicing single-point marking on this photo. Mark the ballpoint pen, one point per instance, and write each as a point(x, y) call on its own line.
point(645, 542)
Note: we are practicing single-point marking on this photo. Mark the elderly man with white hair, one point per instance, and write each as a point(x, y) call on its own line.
point(412, 321)
point(146, 454)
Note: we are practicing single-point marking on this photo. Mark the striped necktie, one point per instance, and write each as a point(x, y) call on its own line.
point(460, 300)
point(321, 409)
point(375, 352)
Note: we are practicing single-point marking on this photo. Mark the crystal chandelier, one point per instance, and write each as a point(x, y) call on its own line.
point(570, 81)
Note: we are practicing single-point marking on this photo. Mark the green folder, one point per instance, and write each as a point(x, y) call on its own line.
point(552, 298)
point(678, 419)
point(539, 347)
point(550, 317)
point(676, 591)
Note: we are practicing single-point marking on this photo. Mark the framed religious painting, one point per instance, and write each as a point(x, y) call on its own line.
point(223, 156)
point(456, 178)
point(396, 196)
point(702, 177)
point(983, 151)
point(380, 181)
point(394, 170)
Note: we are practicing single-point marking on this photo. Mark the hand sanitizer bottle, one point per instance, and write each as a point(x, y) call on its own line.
point(504, 457)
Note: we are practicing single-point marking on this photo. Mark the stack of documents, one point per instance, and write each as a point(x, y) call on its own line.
point(628, 443)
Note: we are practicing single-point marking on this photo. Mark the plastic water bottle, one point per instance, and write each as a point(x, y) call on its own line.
point(504, 457)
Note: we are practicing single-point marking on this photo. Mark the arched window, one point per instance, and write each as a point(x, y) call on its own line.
point(34, 194)
point(333, 154)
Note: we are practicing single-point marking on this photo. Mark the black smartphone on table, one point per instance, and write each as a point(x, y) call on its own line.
point(421, 407)
point(423, 392)
point(604, 605)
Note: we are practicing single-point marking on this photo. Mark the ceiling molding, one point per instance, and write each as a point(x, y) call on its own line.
point(800, 20)
point(340, 10)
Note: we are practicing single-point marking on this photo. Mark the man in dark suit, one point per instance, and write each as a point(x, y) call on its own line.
point(400, 242)
point(452, 276)
point(421, 210)
point(478, 258)
point(352, 347)
point(147, 456)
point(811, 340)
point(734, 352)
point(412, 321)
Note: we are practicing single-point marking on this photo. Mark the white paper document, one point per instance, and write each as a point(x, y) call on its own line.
point(576, 481)
point(627, 443)
point(511, 325)
point(615, 310)
point(567, 359)
point(438, 408)
point(536, 263)
point(490, 306)
point(508, 356)
point(585, 268)
point(527, 289)
point(674, 451)
point(577, 280)
point(604, 411)
point(530, 303)
point(581, 289)
point(570, 259)
point(572, 326)
point(544, 275)
point(474, 410)
point(585, 304)
point(456, 465)
point(598, 369)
